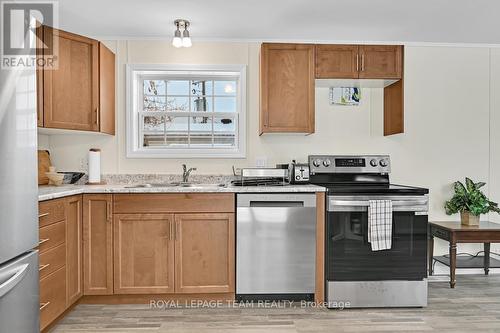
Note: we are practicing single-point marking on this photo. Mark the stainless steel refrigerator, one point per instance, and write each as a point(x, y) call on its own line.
point(19, 293)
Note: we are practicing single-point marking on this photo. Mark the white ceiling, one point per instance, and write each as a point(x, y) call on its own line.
point(427, 21)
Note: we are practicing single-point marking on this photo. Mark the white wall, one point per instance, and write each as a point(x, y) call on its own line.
point(447, 120)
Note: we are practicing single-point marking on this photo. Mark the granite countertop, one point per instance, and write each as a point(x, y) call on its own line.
point(52, 192)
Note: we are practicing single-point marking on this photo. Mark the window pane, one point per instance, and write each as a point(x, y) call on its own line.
point(225, 104)
point(154, 103)
point(201, 104)
point(224, 132)
point(177, 132)
point(225, 88)
point(154, 87)
point(200, 87)
point(177, 104)
point(178, 87)
point(201, 131)
point(153, 129)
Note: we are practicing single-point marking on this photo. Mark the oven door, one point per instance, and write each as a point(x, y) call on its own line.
point(349, 256)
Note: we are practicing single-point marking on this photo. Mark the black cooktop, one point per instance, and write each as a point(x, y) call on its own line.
point(335, 189)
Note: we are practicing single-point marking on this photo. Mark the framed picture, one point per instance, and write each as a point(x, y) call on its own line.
point(345, 96)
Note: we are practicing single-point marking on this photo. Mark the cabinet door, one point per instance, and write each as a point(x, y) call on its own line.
point(71, 89)
point(337, 61)
point(143, 253)
point(204, 253)
point(39, 75)
point(381, 61)
point(97, 244)
point(106, 90)
point(74, 284)
point(287, 88)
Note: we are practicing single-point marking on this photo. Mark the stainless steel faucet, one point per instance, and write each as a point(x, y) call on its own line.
point(186, 172)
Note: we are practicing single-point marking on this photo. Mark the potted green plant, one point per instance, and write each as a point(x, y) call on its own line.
point(470, 202)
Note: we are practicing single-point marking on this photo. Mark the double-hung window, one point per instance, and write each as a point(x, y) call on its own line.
point(177, 111)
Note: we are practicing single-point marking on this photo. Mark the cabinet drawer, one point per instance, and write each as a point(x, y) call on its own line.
point(51, 211)
point(174, 203)
point(52, 236)
point(52, 260)
point(52, 297)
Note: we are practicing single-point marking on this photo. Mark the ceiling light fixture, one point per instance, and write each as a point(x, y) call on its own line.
point(185, 41)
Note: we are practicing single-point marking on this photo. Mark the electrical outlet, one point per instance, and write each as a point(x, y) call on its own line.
point(261, 162)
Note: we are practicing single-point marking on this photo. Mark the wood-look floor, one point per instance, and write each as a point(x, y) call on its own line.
point(473, 306)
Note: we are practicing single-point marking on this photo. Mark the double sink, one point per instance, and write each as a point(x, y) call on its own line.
point(180, 184)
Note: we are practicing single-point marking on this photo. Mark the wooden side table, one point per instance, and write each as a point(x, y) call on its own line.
point(454, 233)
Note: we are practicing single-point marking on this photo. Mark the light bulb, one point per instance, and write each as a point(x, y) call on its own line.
point(186, 40)
point(177, 41)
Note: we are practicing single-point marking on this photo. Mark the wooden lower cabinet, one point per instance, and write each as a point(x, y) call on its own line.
point(204, 253)
point(173, 253)
point(52, 297)
point(97, 244)
point(74, 284)
point(143, 253)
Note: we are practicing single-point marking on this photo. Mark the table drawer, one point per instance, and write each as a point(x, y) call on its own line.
point(52, 236)
point(51, 211)
point(51, 260)
point(440, 233)
point(52, 297)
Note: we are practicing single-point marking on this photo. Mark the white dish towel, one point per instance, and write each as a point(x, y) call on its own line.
point(380, 224)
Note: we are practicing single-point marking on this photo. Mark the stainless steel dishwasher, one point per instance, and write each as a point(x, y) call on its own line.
point(275, 246)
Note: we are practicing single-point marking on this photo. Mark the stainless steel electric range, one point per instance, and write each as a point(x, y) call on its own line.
point(356, 276)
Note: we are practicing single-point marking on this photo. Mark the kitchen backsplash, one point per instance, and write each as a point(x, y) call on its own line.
point(158, 178)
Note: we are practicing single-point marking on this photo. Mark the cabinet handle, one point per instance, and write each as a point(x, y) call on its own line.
point(108, 211)
point(43, 241)
point(97, 116)
point(363, 62)
point(357, 62)
point(170, 231)
point(44, 305)
point(177, 230)
point(43, 215)
point(42, 267)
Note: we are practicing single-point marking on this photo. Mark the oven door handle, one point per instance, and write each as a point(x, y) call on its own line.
point(414, 205)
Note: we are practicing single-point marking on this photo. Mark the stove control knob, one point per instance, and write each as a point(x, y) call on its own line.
point(383, 163)
point(317, 163)
point(373, 163)
point(327, 163)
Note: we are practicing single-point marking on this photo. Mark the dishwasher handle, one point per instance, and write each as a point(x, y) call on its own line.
point(276, 203)
point(277, 200)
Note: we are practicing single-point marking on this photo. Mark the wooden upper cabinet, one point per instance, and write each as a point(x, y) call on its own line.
point(143, 253)
point(204, 253)
point(74, 264)
point(381, 61)
point(106, 90)
point(71, 90)
point(97, 244)
point(77, 92)
point(287, 88)
point(337, 61)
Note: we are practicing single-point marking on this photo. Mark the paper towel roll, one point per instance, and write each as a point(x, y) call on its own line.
point(94, 166)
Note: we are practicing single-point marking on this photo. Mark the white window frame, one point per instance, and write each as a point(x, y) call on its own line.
point(134, 76)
